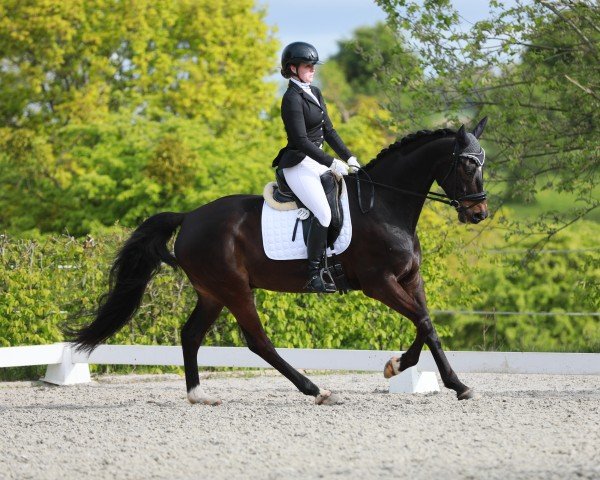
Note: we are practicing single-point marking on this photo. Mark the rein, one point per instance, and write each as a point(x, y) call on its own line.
point(438, 197)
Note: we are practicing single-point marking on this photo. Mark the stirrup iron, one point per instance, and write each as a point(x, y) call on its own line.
point(327, 285)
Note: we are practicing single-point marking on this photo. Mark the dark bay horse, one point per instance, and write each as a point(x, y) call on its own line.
point(220, 249)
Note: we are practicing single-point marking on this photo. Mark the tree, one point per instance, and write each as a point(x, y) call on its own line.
point(364, 57)
point(361, 65)
point(533, 69)
point(65, 62)
point(110, 110)
point(350, 80)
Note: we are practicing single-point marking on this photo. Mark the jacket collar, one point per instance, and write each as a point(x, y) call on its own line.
point(304, 94)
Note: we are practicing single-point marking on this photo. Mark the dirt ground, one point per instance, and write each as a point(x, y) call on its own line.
point(134, 427)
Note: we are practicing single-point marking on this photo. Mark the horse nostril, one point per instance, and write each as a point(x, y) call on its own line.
point(481, 216)
point(478, 217)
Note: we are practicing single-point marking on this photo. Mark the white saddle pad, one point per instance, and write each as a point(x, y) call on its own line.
point(278, 228)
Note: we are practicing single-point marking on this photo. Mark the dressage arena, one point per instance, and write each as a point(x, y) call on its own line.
point(517, 426)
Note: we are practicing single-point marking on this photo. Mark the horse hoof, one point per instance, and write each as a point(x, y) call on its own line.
point(466, 395)
point(325, 397)
point(392, 367)
point(197, 395)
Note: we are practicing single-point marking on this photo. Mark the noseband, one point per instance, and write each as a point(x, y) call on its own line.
point(477, 198)
point(479, 159)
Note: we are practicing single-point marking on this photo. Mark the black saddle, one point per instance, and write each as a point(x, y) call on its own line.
point(333, 191)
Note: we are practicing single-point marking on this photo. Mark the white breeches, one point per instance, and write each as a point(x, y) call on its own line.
point(304, 180)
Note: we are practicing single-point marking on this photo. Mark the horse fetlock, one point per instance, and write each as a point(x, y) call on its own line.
point(466, 395)
point(325, 397)
point(392, 367)
point(198, 395)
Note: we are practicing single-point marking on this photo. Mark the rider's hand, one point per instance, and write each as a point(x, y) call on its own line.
point(353, 164)
point(339, 168)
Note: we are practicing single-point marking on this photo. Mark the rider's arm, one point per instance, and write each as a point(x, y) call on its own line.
point(293, 119)
point(330, 135)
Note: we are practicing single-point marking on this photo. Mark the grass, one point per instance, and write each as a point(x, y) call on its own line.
point(548, 201)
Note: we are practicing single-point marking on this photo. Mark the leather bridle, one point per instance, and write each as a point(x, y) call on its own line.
point(477, 198)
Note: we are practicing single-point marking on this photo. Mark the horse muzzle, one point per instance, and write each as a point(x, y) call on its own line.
point(473, 213)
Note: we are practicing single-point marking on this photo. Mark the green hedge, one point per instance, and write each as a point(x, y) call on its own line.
point(52, 281)
point(560, 279)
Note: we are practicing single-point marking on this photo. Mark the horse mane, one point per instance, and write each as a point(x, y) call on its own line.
point(415, 140)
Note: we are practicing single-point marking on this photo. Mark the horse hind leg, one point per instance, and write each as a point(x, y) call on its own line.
point(259, 343)
point(192, 334)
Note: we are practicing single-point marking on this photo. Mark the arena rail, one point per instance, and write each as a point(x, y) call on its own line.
point(67, 366)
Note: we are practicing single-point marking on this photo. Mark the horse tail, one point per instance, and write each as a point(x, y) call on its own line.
point(136, 263)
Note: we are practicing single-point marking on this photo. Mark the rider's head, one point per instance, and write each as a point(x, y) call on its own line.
point(298, 60)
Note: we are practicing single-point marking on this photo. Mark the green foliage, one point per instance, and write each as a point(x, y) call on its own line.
point(124, 171)
point(532, 68)
point(51, 279)
point(74, 62)
point(115, 110)
point(549, 201)
point(563, 277)
point(364, 58)
point(366, 131)
point(353, 77)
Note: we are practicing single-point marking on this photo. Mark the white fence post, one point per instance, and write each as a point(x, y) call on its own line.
point(66, 372)
point(413, 381)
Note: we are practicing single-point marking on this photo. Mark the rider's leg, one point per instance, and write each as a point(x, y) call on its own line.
point(316, 244)
point(305, 181)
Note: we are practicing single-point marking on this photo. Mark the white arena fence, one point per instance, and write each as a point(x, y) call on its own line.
point(65, 366)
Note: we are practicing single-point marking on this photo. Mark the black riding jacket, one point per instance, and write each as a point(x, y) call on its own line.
point(307, 125)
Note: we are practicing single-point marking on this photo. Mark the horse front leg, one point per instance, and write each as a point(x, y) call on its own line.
point(448, 375)
point(426, 333)
point(408, 359)
point(411, 357)
point(410, 302)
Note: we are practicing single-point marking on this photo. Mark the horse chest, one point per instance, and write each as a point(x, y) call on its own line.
point(398, 241)
point(402, 255)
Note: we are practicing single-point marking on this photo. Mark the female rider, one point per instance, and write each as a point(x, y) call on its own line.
point(302, 160)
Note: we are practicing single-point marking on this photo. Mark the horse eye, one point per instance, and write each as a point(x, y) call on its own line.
point(470, 169)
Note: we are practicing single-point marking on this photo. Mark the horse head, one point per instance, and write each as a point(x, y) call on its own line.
point(463, 179)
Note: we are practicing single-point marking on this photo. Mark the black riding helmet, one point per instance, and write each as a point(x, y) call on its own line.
point(296, 53)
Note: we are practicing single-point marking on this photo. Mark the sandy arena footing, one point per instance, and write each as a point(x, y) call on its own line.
point(134, 427)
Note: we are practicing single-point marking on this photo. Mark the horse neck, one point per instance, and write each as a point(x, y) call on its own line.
point(414, 172)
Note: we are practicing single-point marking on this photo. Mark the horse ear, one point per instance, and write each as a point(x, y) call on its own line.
point(478, 130)
point(461, 136)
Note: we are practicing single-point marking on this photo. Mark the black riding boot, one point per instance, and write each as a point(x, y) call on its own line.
point(316, 244)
